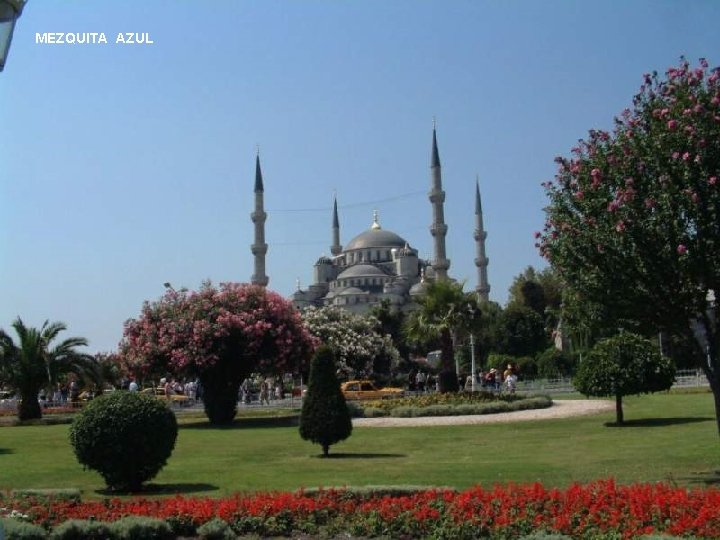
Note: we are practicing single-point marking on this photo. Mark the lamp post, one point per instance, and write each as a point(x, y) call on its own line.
point(472, 313)
point(10, 11)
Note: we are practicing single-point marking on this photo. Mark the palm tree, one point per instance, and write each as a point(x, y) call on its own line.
point(444, 313)
point(31, 364)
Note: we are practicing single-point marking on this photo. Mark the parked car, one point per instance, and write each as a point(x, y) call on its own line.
point(175, 398)
point(364, 389)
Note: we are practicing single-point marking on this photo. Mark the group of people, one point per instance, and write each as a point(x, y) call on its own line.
point(493, 379)
point(266, 388)
point(496, 380)
point(62, 394)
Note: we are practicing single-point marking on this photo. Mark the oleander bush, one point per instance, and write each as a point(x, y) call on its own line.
point(127, 437)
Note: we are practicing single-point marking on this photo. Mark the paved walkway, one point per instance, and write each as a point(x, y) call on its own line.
point(559, 409)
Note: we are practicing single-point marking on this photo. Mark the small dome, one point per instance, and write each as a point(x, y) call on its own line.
point(361, 270)
point(350, 291)
point(324, 260)
point(418, 289)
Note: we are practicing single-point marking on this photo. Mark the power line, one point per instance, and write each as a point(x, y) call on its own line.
point(354, 205)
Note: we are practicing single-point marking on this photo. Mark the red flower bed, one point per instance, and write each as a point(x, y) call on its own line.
point(596, 510)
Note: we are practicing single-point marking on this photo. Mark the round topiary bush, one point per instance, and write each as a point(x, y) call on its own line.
point(125, 436)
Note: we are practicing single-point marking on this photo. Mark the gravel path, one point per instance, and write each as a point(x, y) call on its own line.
point(559, 409)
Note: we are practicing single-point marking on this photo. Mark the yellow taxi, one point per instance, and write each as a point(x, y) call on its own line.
point(175, 398)
point(364, 389)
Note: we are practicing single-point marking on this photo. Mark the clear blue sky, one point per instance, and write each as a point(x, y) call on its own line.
point(124, 167)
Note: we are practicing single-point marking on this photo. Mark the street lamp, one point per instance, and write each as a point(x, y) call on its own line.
point(10, 11)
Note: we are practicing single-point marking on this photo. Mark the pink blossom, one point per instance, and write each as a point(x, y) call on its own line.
point(682, 249)
point(712, 180)
point(537, 234)
point(686, 156)
point(620, 226)
point(579, 195)
point(676, 155)
point(672, 124)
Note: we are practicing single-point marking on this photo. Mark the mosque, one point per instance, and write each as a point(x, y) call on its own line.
point(377, 264)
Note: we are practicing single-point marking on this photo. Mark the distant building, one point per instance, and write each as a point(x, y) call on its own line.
point(377, 264)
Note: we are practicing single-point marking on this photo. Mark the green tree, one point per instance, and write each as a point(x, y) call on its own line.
point(390, 322)
point(633, 222)
point(623, 365)
point(522, 332)
point(325, 418)
point(444, 313)
point(34, 363)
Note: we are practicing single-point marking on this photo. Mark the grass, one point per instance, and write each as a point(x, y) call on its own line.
point(669, 437)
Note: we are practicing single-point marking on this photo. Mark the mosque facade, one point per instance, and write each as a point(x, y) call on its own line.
point(377, 264)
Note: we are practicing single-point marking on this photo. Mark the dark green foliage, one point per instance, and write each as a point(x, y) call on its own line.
point(125, 436)
point(325, 418)
point(555, 364)
point(624, 365)
point(140, 528)
point(14, 529)
point(216, 529)
point(522, 332)
point(81, 529)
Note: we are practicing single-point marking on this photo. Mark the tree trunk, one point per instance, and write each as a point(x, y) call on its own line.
point(220, 397)
point(714, 380)
point(326, 450)
point(448, 378)
point(28, 406)
point(619, 417)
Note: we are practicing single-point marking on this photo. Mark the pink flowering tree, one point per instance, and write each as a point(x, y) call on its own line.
point(220, 335)
point(633, 223)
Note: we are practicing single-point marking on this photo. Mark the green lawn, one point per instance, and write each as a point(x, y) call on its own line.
point(670, 437)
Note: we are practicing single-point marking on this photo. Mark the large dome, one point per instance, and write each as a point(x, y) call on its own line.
point(376, 238)
point(361, 270)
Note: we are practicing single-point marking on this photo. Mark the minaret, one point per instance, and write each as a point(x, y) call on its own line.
point(259, 248)
point(438, 229)
point(336, 248)
point(481, 261)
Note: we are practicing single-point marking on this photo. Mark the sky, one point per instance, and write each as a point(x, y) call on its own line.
point(125, 166)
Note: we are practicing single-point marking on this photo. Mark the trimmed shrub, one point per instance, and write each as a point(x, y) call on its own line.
point(216, 529)
point(81, 529)
point(15, 529)
point(374, 412)
point(545, 536)
point(127, 437)
point(325, 418)
point(355, 409)
point(537, 402)
point(141, 528)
